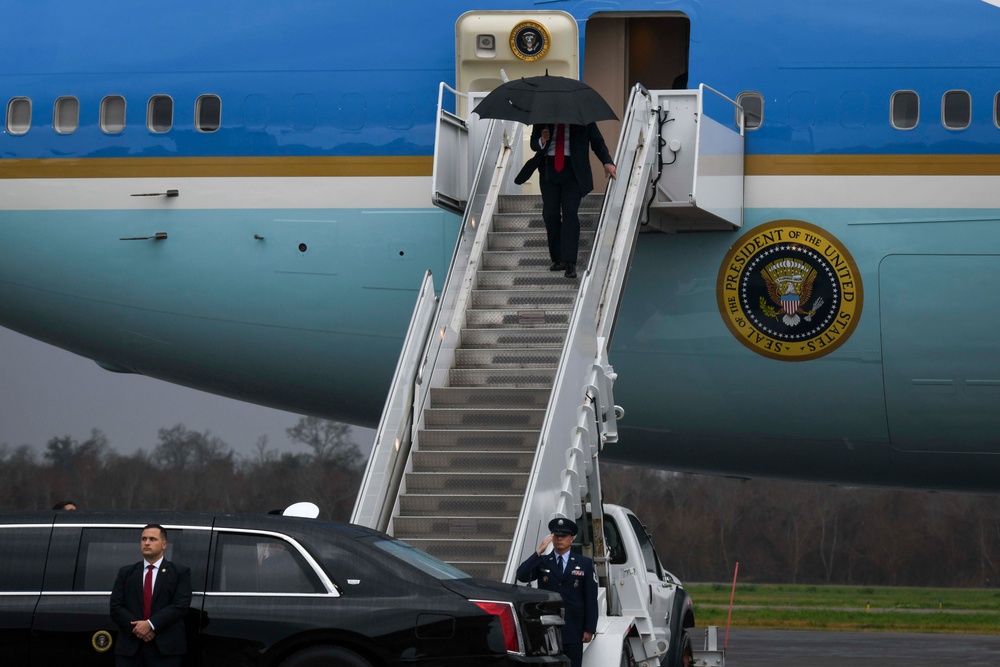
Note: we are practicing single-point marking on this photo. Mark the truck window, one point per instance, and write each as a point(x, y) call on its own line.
point(22, 552)
point(613, 539)
point(648, 552)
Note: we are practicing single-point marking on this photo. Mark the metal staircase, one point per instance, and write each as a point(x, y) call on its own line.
point(502, 398)
point(477, 447)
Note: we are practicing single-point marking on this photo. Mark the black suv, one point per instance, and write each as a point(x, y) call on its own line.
point(268, 590)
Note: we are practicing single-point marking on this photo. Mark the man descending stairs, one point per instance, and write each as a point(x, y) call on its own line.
point(472, 458)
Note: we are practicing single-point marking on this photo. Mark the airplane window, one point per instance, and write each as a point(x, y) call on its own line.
point(753, 109)
point(956, 109)
point(160, 114)
point(852, 110)
point(208, 113)
point(305, 110)
point(905, 109)
point(996, 110)
point(66, 115)
point(113, 114)
point(19, 115)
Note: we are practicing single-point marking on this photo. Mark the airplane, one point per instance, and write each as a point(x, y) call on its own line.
point(236, 198)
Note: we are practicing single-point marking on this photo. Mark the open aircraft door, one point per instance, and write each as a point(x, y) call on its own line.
point(489, 47)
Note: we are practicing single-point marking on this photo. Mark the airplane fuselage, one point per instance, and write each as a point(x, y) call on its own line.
point(289, 259)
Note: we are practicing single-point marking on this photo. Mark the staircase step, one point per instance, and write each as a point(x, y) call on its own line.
point(513, 338)
point(472, 461)
point(524, 298)
point(458, 506)
point(507, 358)
point(532, 221)
point(532, 280)
point(504, 419)
point(469, 439)
point(486, 570)
point(458, 527)
point(462, 550)
point(488, 397)
point(538, 378)
point(526, 203)
point(525, 260)
point(517, 317)
point(469, 484)
point(530, 240)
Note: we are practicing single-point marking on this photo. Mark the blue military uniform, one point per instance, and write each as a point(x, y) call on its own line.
point(577, 585)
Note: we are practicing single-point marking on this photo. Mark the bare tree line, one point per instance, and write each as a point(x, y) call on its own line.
point(187, 470)
point(786, 532)
point(780, 532)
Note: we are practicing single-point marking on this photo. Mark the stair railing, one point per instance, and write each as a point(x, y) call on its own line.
point(435, 338)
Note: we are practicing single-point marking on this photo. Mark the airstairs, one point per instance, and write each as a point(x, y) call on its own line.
point(503, 398)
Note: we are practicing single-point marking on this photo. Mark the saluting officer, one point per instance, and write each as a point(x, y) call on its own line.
point(572, 576)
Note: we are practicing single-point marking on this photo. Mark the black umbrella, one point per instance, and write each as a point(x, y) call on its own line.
point(545, 99)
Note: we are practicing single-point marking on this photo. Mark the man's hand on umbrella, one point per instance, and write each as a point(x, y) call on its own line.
point(610, 171)
point(544, 137)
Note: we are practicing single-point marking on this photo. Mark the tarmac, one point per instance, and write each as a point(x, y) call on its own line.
point(801, 648)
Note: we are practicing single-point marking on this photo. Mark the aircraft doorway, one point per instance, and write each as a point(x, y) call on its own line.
point(622, 50)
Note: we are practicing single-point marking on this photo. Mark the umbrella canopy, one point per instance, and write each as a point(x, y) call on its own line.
point(545, 99)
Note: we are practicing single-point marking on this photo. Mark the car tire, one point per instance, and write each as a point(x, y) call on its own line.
point(326, 656)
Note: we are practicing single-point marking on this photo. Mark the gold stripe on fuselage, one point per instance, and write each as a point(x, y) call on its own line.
point(221, 167)
point(872, 165)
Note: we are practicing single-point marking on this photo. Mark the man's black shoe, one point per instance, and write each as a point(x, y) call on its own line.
point(556, 266)
point(570, 271)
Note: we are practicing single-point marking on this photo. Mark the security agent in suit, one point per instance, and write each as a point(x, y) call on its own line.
point(576, 582)
point(157, 636)
point(564, 185)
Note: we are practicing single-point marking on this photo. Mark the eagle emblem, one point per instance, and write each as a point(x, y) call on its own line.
point(789, 284)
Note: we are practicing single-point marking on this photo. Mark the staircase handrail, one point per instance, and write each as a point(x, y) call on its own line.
point(383, 470)
point(411, 384)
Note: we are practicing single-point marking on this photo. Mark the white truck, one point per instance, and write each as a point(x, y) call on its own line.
point(647, 617)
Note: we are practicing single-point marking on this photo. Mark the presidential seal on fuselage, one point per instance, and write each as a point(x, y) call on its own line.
point(790, 290)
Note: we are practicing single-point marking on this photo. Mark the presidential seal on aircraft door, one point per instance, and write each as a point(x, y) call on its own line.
point(529, 40)
point(790, 290)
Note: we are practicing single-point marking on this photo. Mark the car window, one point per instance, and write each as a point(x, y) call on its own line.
point(105, 550)
point(421, 560)
point(247, 563)
point(22, 555)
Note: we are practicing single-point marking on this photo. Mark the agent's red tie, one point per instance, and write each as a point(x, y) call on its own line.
point(559, 157)
point(147, 593)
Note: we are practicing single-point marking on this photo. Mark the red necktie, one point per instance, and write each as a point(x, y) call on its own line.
point(560, 158)
point(147, 593)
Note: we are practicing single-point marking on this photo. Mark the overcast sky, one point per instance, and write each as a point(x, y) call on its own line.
point(48, 392)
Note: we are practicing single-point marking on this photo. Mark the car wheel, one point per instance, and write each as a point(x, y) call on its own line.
point(326, 656)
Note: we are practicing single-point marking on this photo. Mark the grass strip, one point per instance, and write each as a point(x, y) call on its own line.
point(850, 608)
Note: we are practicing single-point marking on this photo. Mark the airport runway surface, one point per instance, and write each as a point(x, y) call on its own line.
point(794, 648)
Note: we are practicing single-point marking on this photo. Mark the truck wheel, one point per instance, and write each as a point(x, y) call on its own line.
point(326, 656)
point(626, 659)
point(685, 657)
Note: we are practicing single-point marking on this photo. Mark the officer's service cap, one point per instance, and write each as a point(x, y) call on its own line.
point(561, 526)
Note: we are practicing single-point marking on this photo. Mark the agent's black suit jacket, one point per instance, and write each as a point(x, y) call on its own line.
point(171, 599)
point(581, 137)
